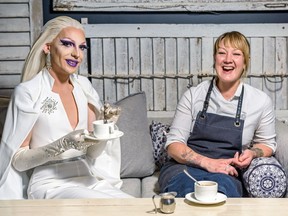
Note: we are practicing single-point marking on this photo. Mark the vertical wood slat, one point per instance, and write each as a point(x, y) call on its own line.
point(269, 65)
point(256, 62)
point(159, 69)
point(146, 64)
point(281, 100)
point(97, 66)
point(171, 96)
point(122, 64)
point(109, 63)
point(134, 86)
point(195, 58)
point(183, 59)
point(159, 55)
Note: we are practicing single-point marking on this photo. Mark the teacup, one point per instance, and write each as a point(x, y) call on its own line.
point(206, 190)
point(103, 128)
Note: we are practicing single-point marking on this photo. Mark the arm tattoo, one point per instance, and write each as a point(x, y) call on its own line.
point(258, 152)
point(191, 158)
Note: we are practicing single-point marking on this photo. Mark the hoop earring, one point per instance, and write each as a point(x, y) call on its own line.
point(48, 61)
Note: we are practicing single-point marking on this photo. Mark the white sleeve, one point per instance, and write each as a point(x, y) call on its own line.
point(265, 132)
point(183, 120)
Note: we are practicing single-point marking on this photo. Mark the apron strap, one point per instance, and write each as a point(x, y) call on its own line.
point(237, 122)
point(206, 102)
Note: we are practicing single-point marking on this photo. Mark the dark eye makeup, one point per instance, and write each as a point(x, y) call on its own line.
point(68, 43)
point(83, 47)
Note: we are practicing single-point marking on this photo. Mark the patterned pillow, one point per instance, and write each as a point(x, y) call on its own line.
point(158, 134)
point(265, 178)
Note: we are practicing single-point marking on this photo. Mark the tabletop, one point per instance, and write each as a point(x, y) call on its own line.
point(142, 206)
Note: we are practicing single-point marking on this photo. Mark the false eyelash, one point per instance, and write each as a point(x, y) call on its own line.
point(83, 47)
point(67, 43)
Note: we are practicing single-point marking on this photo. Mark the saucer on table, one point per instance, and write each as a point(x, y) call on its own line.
point(115, 135)
point(219, 198)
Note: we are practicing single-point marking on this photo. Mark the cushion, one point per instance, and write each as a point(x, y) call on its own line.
point(158, 132)
point(150, 186)
point(132, 186)
point(136, 144)
point(265, 178)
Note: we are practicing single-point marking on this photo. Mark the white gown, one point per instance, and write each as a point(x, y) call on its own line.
point(82, 178)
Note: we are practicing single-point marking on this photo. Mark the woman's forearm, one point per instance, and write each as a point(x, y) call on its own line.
point(184, 155)
point(261, 150)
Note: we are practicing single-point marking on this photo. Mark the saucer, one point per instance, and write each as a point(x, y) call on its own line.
point(115, 135)
point(219, 198)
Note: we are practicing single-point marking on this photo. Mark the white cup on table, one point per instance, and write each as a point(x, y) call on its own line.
point(206, 191)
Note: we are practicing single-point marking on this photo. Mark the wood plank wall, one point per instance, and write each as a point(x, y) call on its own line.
point(163, 59)
point(160, 59)
point(20, 24)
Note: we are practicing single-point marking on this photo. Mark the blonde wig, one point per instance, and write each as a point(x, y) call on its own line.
point(36, 59)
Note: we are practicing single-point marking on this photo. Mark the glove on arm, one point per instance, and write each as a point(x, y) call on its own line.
point(25, 158)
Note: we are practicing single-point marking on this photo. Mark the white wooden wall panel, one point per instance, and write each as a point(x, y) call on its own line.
point(13, 1)
point(13, 53)
point(158, 68)
point(269, 65)
point(121, 66)
point(20, 23)
point(163, 60)
point(134, 85)
point(256, 62)
point(171, 96)
point(183, 64)
point(14, 39)
point(109, 63)
point(97, 64)
point(281, 84)
point(14, 10)
point(14, 25)
point(146, 65)
point(11, 67)
point(9, 81)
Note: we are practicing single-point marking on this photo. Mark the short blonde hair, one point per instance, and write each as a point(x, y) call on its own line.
point(35, 60)
point(236, 40)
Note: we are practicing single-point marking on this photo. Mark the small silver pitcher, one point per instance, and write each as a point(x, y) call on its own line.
point(167, 203)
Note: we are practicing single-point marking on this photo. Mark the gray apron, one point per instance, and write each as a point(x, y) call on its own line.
point(213, 135)
point(217, 136)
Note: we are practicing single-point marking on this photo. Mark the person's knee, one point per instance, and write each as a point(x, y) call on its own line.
point(230, 186)
point(180, 184)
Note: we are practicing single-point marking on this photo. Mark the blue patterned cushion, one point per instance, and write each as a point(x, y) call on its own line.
point(158, 132)
point(265, 178)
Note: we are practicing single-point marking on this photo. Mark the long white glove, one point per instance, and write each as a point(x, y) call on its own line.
point(25, 158)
